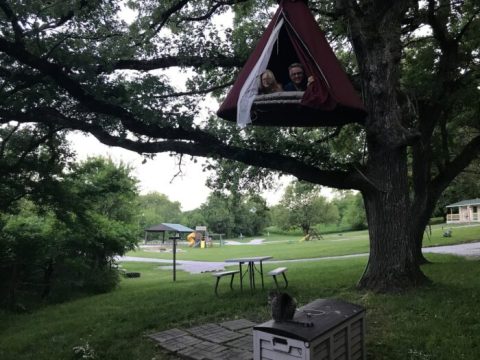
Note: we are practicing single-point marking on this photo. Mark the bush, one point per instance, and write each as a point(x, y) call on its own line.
point(132, 274)
point(102, 280)
point(278, 231)
point(436, 221)
point(74, 278)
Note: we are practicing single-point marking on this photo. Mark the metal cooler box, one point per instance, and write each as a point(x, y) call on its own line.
point(335, 331)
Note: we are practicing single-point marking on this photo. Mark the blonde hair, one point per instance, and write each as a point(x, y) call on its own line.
point(275, 87)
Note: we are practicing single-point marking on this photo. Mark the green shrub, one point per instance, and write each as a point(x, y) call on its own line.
point(132, 274)
point(436, 221)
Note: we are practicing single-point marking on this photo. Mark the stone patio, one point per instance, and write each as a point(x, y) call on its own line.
point(227, 340)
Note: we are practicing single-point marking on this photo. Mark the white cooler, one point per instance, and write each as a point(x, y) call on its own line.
point(328, 330)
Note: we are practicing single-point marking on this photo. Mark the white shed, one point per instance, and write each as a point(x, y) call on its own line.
point(465, 211)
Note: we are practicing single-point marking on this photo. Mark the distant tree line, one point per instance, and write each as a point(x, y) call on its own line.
point(233, 214)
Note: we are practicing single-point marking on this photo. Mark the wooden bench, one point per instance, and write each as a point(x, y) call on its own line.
point(221, 274)
point(278, 271)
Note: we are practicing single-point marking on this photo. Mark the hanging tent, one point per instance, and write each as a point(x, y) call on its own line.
point(292, 36)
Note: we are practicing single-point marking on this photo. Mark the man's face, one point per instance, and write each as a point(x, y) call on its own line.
point(296, 75)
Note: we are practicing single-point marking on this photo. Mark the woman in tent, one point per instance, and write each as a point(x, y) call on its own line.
point(268, 83)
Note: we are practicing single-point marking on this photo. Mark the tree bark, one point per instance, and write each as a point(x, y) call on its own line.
point(392, 265)
point(376, 36)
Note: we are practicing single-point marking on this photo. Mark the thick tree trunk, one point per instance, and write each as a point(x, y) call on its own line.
point(305, 229)
point(376, 36)
point(420, 219)
point(11, 296)
point(392, 265)
point(47, 279)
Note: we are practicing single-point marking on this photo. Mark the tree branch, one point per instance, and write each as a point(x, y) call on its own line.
point(17, 29)
point(5, 140)
point(170, 61)
point(212, 10)
point(470, 152)
point(439, 29)
point(90, 102)
point(194, 92)
point(464, 29)
point(203, 145)
point(166, 15)
point(34, 144)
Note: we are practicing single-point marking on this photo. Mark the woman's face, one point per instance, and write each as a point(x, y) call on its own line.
point(267, 79)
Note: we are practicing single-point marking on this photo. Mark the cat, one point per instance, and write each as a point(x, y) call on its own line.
point(283, 308)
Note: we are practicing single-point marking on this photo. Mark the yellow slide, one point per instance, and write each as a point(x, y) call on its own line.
point(191, 239)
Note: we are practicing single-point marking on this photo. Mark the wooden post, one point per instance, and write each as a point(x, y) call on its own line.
point(174, 239)
point(174, 259)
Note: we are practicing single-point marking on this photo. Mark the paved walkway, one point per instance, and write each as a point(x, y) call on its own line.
point(227, 340)
point(197, 267)
point(467, 250)
point(193, 267)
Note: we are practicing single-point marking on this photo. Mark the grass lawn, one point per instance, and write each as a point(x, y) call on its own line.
point(283, 247)
point(439, 321)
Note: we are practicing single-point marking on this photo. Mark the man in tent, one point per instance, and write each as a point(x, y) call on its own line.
point(298, 80)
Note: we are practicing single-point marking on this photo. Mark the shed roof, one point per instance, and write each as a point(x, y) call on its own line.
point(168, 227)
point(465, 203)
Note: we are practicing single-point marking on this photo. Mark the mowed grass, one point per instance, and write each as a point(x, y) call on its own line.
point(439, 321)
point(283, 247)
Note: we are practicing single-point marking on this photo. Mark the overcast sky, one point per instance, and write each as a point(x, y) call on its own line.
point(158, 174)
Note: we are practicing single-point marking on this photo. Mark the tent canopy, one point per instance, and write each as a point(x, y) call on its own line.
point(168, 227)
point(292, 36)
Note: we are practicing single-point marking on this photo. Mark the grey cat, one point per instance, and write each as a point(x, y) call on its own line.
point(283, 308)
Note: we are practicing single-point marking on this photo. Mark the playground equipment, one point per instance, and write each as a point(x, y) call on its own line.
point(199, 238)
point(194, 239)
point(205, 240)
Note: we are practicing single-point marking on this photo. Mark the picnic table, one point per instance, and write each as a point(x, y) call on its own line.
point(251, 268)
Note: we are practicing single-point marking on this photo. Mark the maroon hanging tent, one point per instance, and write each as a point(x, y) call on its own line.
point(293, 35)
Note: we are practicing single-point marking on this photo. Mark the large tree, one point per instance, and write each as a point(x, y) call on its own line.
point(31, 159)
point(157, 208)
point(234, 214)
point(78, 65)
point(351, 210)
point(69, 243)
point(302, 206)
